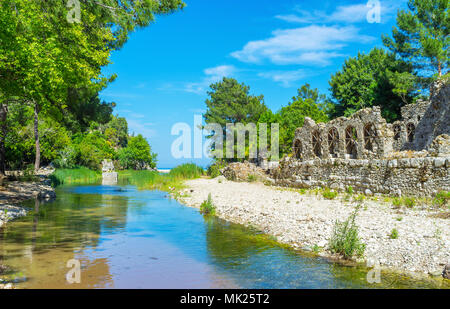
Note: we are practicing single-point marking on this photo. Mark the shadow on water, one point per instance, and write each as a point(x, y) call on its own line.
point(129, 238)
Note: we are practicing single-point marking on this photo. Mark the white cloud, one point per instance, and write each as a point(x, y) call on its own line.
point(212, 75)
point(354, 13)
point(286, 78)
point(314, 45)
point(140, 128)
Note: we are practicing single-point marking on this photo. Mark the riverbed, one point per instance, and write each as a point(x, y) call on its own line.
point(124, 237)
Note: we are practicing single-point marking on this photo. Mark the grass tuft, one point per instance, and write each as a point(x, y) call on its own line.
point(207, 207)
point(345, 239)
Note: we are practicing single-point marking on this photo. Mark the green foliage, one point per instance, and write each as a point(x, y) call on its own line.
point(214, 169)
point(171, 182)
point(345, 240)
point(252, 178)
point(397, 202)
point(394, 234)
point(137, 155)
point(207, 207)
point(308, 103)
point(422, 36)
point(56, 66)
point(329, 194)
point(116, 131)
point(409, 202)
point(230, 103)
point(372, 80)
point(92, 148)
point(81, 175)
point(350, 190)
point(187, 171)
point(442, 199)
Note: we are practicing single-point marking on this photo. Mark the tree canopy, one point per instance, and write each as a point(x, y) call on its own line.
point(421, 36)
point(373, 79)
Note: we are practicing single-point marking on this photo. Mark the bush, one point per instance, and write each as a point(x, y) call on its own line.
point(92, 148)
point(329, 194)
point(404, 201)
point(214, 169)
point(350, 190)
point(441, 199)
point(409, 202)
point(207, 207)
point(394, 234)
point(397, 202)
point(67, 158)
point(251, 178)
point(137, 155)
point(345, 240)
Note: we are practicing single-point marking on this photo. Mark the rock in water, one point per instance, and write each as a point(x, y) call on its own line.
point(109, 176)
point(107, 166)
point(446, 272)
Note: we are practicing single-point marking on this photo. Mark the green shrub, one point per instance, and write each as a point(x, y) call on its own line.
point(397, 202)
point(345, 240)
point(214, 169)
point(350, 190)
point(137, 155)
point(442, 199)
point(394, 234)
point(67, 158)
point(409, 202)
point(207, 207)
point(251, 178)
point(329, 194)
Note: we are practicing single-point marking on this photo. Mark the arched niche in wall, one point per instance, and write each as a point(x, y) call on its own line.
point(397, 132)
point(351, 141)
point(317, 144)
point(410, 132)
point(370, 134)
point(333, 141)
point(298, 149)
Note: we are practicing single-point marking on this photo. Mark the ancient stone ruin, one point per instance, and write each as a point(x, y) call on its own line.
point(411, 156)
point(109, 176)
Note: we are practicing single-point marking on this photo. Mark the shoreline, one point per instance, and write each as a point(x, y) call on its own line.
point(16, 192)
point(305, 222)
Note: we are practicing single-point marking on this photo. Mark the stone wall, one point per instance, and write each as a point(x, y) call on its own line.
point(363, 151)
point(428, 118)
point(364, 135)
point(408, 176)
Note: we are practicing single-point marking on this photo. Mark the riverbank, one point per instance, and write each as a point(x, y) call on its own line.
point(305, 221)
point(16, 192)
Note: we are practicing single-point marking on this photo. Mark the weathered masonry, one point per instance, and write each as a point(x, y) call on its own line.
point(411, 156)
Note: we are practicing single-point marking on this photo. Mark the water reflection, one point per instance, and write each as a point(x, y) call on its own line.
point(129, 238)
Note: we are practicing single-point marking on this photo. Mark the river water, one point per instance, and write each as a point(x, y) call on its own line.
point(129, 238)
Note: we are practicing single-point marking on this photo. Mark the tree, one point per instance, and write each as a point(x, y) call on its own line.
point(306, 104)
point(231, 103)
point(137, 155)
point(422, 36)
point(43, 56)
point(372, 80)
point(120, 126)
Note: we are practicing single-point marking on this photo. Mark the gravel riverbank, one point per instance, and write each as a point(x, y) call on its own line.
point(305, 221)
point(16, 192)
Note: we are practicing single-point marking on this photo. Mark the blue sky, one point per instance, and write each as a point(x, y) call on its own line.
point(273, 46)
